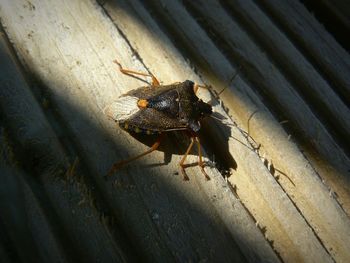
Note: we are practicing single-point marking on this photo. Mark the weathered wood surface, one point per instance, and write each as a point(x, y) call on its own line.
point(57, 75)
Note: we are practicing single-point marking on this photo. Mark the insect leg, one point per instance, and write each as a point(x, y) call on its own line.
point(128, 72)
point(119, 164)
point(184, 159)
point(200, 163)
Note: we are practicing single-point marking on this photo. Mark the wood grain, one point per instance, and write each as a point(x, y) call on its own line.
point(60, 75)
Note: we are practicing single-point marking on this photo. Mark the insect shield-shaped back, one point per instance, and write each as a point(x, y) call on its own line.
point(154, 109)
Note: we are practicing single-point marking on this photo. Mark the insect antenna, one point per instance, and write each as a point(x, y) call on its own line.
point(231, 80)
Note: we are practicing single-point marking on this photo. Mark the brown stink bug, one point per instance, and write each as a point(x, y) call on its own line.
point(156, 109)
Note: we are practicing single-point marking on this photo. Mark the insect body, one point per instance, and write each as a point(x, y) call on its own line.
point(159, 109)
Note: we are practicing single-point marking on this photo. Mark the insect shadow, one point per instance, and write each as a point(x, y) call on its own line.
point(214, 142)
point(216, 136)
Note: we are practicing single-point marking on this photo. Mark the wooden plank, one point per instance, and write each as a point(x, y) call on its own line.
point(263, 128)
point(69, 48)
point(153, 52)
point(281, 93)
point(166, 218)
point(314, 41)
point(305, 79)
point(300, 114)
point(62, 90)
point(52, 201)
point(128, 26)
point(277, 45)
point(340, 9)
point(13, 218)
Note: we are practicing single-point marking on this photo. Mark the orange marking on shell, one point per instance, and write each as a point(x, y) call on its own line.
point(142, 103)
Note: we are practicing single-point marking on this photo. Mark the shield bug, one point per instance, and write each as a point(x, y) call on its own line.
point(157, 109)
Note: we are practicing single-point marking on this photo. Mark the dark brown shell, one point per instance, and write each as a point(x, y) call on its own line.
point(170, 107)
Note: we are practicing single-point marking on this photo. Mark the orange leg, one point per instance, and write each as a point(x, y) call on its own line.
point(119, 164)
point(128, 72)
point(200, 163)
point(182, 166)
